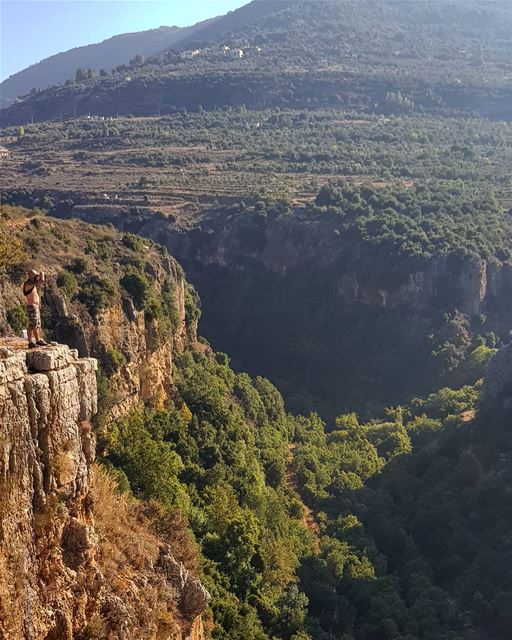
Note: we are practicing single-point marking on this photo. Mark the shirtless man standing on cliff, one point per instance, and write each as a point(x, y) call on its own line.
point(33, 310)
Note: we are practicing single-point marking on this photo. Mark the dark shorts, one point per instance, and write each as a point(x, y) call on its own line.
point(34, 316)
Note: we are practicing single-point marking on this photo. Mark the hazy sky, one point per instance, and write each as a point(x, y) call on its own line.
point(31, 30)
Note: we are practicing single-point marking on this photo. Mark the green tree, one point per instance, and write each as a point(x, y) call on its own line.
point(68, 283)
point(17, 318)
point(80, 75)
point(137, 60)
point(292, 607)
point(139, 288)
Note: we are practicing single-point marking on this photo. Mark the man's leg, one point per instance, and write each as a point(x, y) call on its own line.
point(37, 331)
point(31, 336)
point(32, 325)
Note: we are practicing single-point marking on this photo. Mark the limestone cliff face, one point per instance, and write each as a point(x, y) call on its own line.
point(146, 373)
point(60, 579)
point(284, 243)
point(48, 575)
point(473, 286)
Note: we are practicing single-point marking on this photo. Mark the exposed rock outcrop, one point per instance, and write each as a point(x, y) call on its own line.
point(144, 350)
point(53, 583)
point(281, 244)
point(146, 373)
point(48, 575)
point(194, 597)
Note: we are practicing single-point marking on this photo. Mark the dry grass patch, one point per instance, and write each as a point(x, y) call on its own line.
point(116, 516)
point(137, 597)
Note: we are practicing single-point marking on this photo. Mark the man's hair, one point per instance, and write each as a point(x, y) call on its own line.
point(33, 273)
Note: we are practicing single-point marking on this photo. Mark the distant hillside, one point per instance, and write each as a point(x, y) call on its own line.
point(120, 49)
point(105, 55)
point(378, 56)
point(236, 21)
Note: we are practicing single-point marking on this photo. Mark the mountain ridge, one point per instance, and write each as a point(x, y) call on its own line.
point(118, 49)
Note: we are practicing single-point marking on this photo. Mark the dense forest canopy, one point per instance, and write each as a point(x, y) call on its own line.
point(382, 560)
point(419, 223)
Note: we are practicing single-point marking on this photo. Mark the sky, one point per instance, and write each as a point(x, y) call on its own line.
point(31, 30)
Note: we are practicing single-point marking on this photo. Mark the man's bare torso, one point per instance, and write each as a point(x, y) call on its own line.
point(33, 296)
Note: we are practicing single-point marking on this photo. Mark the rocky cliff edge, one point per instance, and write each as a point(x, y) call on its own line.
point(52, 582)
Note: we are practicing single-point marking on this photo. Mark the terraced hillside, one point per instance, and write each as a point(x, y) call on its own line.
point(190, 161)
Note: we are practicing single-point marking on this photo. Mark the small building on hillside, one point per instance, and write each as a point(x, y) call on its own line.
point(4, 153)
point(188, 55)
point(236, 53)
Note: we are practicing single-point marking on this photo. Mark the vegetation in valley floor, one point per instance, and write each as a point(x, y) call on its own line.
point(393, 552)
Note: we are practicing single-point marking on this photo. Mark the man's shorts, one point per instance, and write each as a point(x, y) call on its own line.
point(34, 316)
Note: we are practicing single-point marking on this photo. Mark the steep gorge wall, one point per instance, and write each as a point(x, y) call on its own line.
point(283, 244)
point(148, 371)
point(497, 387)
point(357, 276)
point(281, 289)
point(53, 584)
